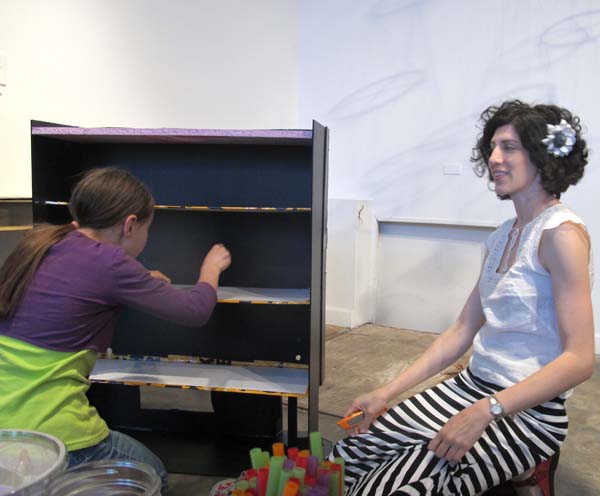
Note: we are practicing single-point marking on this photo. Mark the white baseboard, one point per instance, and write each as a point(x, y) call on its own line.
point(338, 316)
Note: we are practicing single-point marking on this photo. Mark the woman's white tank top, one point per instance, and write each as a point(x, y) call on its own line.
point(520, 335)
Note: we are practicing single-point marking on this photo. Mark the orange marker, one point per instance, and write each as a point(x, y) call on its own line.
point(355, 419)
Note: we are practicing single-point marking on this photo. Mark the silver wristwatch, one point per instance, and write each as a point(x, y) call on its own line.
point(496, 408)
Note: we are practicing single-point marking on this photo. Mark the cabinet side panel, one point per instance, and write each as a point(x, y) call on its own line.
point(319, 207)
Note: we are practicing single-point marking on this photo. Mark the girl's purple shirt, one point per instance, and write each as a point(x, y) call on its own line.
point(72, 301)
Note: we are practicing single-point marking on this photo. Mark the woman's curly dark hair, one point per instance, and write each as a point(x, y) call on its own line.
point(530, 122)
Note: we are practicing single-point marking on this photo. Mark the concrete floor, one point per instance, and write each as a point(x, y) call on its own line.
point(360, 359)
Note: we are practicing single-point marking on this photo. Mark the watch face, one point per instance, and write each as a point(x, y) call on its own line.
point(496, 410)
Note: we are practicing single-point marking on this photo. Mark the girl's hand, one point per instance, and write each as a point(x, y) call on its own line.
point(461, 432)
point(218, 258)
point(215, 262)
point(372, 404)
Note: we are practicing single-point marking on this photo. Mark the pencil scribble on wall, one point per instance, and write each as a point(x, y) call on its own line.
point(388, 7)
point(377, 94)
point(573, 31)
point(553, 45)
point(402, 180)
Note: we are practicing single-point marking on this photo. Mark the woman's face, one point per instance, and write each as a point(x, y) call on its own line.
point(509, 163)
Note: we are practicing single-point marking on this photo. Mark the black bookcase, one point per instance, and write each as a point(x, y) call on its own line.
point(263, 194)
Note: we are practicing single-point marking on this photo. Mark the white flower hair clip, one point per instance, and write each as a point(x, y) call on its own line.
point(560, 139)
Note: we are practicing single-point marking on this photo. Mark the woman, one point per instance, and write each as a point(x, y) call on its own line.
point(60, 290)
point(529, 319)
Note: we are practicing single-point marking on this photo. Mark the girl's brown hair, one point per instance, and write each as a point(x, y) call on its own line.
point(103, 198)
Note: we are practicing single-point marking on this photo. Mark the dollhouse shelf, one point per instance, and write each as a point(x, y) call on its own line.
point(204, 208)
point(263, 195)
point(272, 296)
point(279, 381)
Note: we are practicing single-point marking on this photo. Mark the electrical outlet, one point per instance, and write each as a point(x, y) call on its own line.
point(3, 70)
point(452, 169)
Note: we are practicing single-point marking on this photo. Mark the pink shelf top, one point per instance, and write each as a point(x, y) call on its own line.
point(176, 135)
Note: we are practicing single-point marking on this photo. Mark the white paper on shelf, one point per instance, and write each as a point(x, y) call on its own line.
point(284, 380)
point(263, 294)
point(275, 295)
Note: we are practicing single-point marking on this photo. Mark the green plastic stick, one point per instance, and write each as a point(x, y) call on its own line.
point(299, 473)
point(275, 469)
point(256, 458)
point(283, 478)
point(316, 445)
point(334, 484)
point(340, 461)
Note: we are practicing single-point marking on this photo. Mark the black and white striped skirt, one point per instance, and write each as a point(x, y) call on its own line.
point(393, 459)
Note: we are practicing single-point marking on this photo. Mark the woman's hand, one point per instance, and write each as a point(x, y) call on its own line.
point(372, 404)
point(461, 432)
point(157, 274)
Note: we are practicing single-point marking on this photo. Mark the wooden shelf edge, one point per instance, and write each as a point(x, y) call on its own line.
point(262, 302)
point(200, 360)
point(15, 228)
point(201, 388)
point(206, 208)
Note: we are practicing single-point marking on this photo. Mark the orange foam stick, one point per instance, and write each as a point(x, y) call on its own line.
point(278, 449)
point(355, 419)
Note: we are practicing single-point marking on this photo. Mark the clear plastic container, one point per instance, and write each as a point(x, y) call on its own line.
point(107, 478)
point(28, 460)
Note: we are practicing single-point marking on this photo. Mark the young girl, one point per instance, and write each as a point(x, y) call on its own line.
point(529, 319)
point(60, 290)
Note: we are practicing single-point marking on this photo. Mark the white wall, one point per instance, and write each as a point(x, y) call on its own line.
point(351, 263)
point(401, 84)
point(442, 266)
point(143, 63)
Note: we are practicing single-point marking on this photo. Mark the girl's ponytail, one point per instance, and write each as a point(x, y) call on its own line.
point(20, 266)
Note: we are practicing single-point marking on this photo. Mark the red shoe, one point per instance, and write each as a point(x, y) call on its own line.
point(543, 476)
